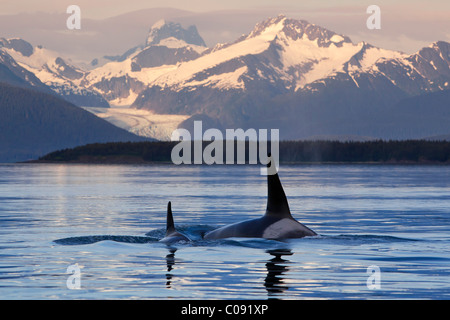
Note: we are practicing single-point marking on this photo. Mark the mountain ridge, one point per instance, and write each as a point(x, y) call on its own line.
point(52, 71)
point(167, 45)
point(285, 73)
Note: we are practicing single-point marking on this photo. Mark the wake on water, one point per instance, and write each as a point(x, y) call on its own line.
point(196, 233)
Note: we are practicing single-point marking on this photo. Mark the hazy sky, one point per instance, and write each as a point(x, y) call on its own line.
point(108, 8)
point(113, 26)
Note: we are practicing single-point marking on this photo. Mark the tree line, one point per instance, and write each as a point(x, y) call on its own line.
point(379, 151)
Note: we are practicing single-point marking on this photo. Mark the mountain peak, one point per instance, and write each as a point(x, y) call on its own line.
point(283, 27)
point(163, 29)
point(268, 26)
point(440, 45)
point(159, 24)
point(17, 44)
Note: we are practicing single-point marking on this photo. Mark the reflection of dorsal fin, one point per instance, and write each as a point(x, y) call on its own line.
point(170, 225)
point(277, 204)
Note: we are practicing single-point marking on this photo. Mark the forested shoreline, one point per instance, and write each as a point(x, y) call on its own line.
point(408, 151)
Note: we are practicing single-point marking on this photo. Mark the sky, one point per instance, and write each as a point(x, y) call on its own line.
point(107, 8)
point(114, 26)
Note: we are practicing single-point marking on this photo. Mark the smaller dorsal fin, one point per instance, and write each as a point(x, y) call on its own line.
point(170, 224)
point(277, 204)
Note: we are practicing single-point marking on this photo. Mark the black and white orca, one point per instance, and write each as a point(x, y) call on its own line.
point(277, 222)
point(172, 235)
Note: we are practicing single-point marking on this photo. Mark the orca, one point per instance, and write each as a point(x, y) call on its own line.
point(277, 223)
point(172, 235)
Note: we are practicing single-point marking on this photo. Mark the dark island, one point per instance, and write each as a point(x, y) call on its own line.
point(379, 151)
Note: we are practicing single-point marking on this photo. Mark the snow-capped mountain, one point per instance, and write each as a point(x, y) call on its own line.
point(163, 30)
point(11, 72)
point(60, 76)
point(304, 79)
point(289, 52)
point(167, 45)
point(295, 75)
point(280, 54)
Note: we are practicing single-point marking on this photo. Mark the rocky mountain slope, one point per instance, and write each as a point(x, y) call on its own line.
point(168, 44)
point(57, 74)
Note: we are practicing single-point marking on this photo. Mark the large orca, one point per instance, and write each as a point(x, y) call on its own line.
point(172, 235)
point(277, 222)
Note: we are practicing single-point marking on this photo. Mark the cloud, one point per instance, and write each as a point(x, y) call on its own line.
point(400, 42)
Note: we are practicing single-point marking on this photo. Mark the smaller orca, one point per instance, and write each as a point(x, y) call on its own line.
point(172, 235)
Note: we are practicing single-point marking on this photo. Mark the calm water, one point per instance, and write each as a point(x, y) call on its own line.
point(107, 220)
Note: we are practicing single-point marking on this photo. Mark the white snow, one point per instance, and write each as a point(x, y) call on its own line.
point(353, 78)
point(147, 76)
point(141, 122)
point(37, 60)
point(223, 81)
point(432, 63)
point(42, 63)
point(119, 69)
point(271, 31)
point(325, 61)
point(374, 55)
point(175, 43)
point(251, 45)
point(158, 24)
point(297, 56)
point(337, 38)
point(127, 101)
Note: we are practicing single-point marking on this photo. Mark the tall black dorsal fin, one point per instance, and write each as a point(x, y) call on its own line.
point(277, 204)
point(170, 225)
